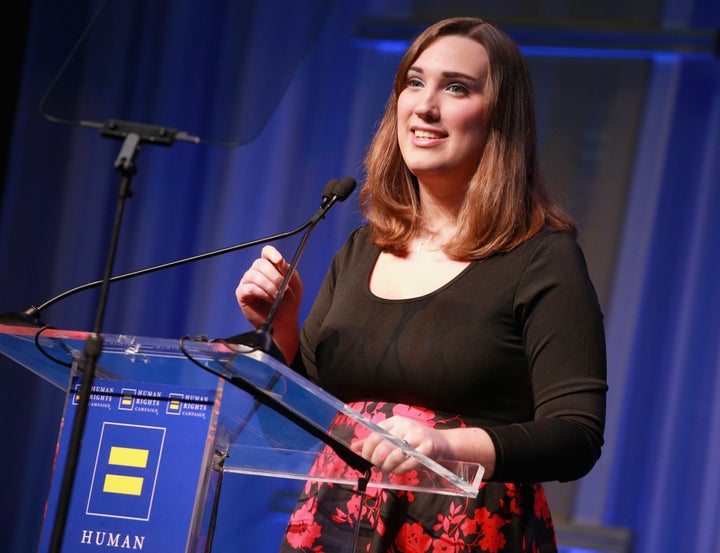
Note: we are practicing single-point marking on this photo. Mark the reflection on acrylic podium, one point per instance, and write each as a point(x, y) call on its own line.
point(168, 418)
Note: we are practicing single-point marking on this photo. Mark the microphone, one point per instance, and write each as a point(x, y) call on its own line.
point(333, 192)
point(261, 337)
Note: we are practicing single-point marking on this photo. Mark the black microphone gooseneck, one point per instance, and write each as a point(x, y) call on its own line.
point(30, 316)
point(261, 337)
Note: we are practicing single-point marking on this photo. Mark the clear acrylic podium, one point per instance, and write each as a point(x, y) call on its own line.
point(168, 418)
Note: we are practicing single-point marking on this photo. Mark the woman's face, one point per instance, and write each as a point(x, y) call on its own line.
point(441, 111)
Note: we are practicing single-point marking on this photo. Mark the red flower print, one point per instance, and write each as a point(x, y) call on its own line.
point(341, 419)
point(328, 464)
point(412, 539)
point(541, 508)
point(492, 539)
point(373, 501)
point(447, 544)
point(349, 516)
point(468, 526)
point(302, 530)
point(456, 518)
point(373, 414)
point(380, 527)
point(304, 513)
point(514, 495)
point(410, 478)
point(416, 413)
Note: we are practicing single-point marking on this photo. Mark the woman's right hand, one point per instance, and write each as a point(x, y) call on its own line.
point(256, 293)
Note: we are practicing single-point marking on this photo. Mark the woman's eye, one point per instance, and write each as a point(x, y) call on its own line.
point(414, 83)
point(457, 89)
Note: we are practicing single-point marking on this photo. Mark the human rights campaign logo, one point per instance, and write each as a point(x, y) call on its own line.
point(127, 399)
point(126, 470)
point(174, 406)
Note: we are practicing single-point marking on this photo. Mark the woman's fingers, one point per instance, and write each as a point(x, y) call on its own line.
point(385, 455)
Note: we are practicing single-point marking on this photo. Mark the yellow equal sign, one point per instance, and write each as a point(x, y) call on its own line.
point(126, 457)
point(126, 485)
point(126, 400)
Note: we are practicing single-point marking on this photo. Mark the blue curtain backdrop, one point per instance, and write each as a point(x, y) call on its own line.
point(658, 476)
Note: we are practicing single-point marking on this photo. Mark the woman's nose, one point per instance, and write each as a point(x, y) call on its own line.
point(427, 106)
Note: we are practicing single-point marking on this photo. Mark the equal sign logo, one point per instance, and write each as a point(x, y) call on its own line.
point(126, 469)
point(76, 395)
point(127, 399)
point(174, 404)
point(126, 457)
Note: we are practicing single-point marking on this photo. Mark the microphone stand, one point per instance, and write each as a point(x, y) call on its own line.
point(133, 134)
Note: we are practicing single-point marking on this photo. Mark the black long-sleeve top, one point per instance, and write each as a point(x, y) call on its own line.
point(514, 344)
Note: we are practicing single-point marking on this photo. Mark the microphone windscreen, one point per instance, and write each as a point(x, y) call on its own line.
point(344, 188)
point(327, 192)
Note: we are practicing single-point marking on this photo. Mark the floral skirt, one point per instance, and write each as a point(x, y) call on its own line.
point(503, 518)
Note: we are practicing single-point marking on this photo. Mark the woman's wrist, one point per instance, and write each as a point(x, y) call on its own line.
point(472, 445)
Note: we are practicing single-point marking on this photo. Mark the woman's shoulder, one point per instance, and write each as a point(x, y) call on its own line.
point(550, 251)
point(359, 240)
point(358, 245)
point(551, 242)
point(554, 256)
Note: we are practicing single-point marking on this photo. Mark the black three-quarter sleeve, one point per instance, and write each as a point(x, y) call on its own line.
point(557, 313)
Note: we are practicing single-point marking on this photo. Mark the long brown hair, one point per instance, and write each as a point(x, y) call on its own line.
point(506, 201)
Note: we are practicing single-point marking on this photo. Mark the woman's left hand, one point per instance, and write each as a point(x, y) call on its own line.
point(388, 458)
